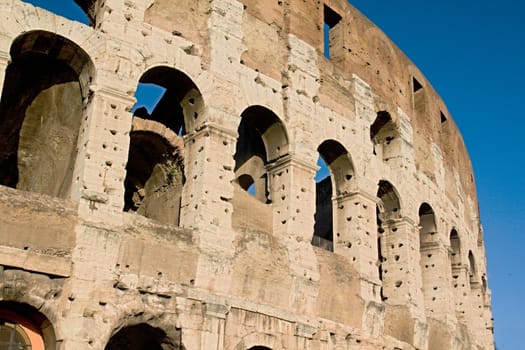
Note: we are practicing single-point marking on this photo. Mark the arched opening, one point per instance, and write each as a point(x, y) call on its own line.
point(168, 104)
point(79, 10)
point(427, 225)
point(24, 327)
point(385, 136)
point(144, 337)
point(334, 180)
point(259, 348)
point(431, 264)
point(262, 140)
point(473, 273)
point(455, 249)
point(41, 112)
point(387, 212)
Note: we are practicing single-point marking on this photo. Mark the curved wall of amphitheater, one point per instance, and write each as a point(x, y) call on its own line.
point(199, 224)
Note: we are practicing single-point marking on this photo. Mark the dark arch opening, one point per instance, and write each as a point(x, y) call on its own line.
point(180, 104)
point(262, 139)
point(387, 210)
point(155, 177)
point(455, 248)
point(385, 136)
point(473, 273)
point(427, 225)
point(29, 327)
point(259, 348)
point(155, 173)
point(41, 112)
point(143, 337)
point(333, 179)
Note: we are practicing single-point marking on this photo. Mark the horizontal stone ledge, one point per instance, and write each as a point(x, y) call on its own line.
point(59, 266)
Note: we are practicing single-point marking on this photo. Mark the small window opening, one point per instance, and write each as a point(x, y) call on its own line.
point(443, 117)
point(247, 183)
point(332, 33)
point(416, 85)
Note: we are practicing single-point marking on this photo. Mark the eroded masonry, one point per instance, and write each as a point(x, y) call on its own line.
point(205, 221)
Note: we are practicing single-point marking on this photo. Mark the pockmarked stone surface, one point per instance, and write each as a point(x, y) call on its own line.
point(297, 184)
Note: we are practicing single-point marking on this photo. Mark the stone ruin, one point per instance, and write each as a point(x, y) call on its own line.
point(199, 224)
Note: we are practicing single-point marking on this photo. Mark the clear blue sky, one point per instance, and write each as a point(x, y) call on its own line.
point(473, 53)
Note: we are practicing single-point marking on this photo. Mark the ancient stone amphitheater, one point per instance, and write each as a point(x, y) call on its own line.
point(199, 224)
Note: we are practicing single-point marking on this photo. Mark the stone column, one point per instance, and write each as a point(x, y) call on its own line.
point(292, 192)
point(460, 287)
point(401, 282)
point(208, 164)
point(213, 327)
point(103, 146)
point(435, 269)
point(355, 237)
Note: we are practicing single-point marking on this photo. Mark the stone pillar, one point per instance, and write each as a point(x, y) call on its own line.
point(208, 164)
point(213, 327)
point(292, 193)
point(460, 287)
point(435, 269)
point(401, 282)
point(355, 237)
point(103, 146)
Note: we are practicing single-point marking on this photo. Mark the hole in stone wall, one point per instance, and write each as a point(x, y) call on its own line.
point(332, 32)
point(385, 136)
point(144, 336)
point(443, 118)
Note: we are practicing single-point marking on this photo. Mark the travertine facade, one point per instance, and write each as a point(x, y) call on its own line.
point(199, 225)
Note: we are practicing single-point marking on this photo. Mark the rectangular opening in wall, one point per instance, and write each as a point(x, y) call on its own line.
point(332, 32)
point(443, 117)
point(418, 96)
point(416, 85)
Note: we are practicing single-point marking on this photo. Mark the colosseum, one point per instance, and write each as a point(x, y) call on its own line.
point(298, 185)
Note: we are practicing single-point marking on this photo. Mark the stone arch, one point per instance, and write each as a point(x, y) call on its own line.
point(262, 139)
point(33, 327)
point(455, 249)
point(258, 340)
point(388, 211)
point(154, 172)
point(427, 225)
point(42, 109)
point(472, 271)
point(385, 136)
point(143, 336)
point(90, 8)
point(331, 190)
point(181, 108)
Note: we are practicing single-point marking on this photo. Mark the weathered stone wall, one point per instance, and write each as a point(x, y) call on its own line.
point(155, 232)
